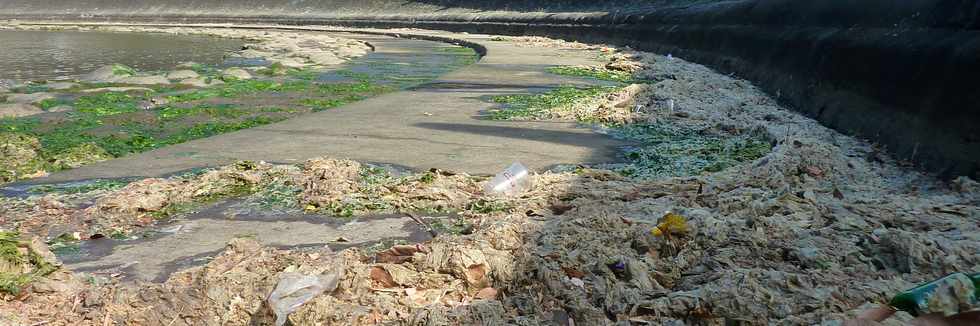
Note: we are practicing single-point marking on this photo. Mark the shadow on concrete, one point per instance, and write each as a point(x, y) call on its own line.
point(532, 5)
point(590, 140)
point(456, 86)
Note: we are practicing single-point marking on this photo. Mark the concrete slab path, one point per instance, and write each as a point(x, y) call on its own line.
point(435, 125)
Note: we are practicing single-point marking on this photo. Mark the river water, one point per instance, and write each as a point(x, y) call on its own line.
point(44, 55)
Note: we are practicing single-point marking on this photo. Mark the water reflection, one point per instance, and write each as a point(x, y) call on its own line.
point(36, 55)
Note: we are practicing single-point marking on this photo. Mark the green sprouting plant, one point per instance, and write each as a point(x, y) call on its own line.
point(427, 177)
point(453, 226)
point(373, 175)
point(279, 194)
point(486, 206)
point(596, 73)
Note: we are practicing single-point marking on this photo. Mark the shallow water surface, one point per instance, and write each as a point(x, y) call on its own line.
point(50, 55)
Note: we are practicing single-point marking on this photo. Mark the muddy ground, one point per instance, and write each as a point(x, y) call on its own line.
point(814, 228)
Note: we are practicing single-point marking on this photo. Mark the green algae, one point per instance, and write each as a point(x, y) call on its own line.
point(598, 73)
point(540, 106)
point(18, 269)
point(660, 150)
point(669, 150)
point(450, 226)
point(81, 188)
point(486, 206)
point(47, 104)
point(119, 123)
point(19, 156)
point(105, 104)
point(74, 157)
point(122, 70)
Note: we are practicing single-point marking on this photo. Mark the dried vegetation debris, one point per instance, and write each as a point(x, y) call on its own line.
point(22, 157)
point(346, 188)
point(807, 234)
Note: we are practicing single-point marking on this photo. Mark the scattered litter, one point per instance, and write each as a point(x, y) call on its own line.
point(948, 296)
point(511, 182)
point(671, 223)
point(295, 289)
point(172, 229)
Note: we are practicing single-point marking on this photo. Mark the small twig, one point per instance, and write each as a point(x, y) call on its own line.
point(177, 316)
point(423, 224)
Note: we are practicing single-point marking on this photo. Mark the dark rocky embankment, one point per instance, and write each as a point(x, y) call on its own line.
point(898, 73)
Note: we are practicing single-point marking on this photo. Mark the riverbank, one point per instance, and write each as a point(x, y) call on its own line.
point(805, 230)
point(913, 93)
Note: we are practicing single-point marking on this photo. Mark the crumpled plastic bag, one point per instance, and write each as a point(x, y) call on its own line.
point(295, 289)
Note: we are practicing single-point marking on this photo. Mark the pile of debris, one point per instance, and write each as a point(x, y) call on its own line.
point(808, 234)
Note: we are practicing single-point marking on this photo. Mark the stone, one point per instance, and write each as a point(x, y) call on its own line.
point(29, 98)
point(201, 82)
point(7, 84)
point(45, 285)
point(182, 74)
point(144, 80)
point(290, 62)
point(254, 54)
point(13, 110)
point(61, 108)
point(117, 89)
point(106, 74)
point(60, 85)
point(41, 249)
point(236, 73)
point(187, 65)
point(325, 58)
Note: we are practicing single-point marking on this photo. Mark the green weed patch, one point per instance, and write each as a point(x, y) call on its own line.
point(539, 106)
point(600, 74)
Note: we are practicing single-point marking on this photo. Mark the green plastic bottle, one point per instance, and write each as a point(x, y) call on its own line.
point(916, 301)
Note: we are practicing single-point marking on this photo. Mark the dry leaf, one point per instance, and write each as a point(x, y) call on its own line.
point(838, 194)
point(574, 273)
point(813, 171)
point(486, 294)
point(381, 276)
point(398, 254)
point(476, 274)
